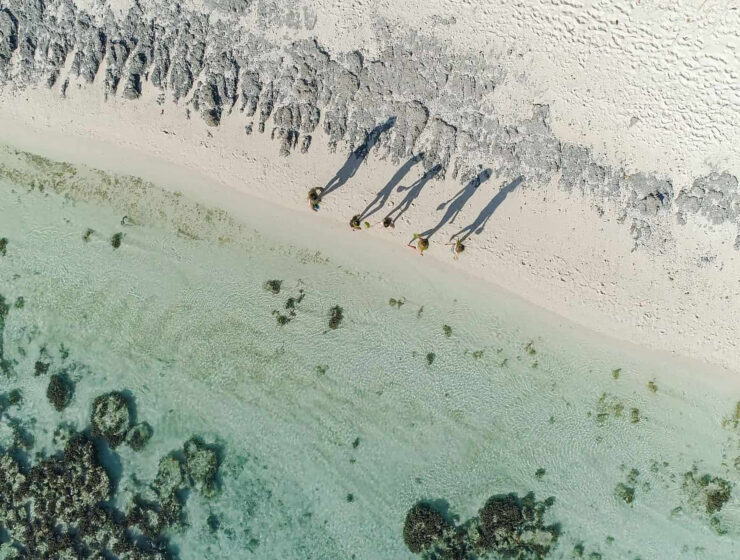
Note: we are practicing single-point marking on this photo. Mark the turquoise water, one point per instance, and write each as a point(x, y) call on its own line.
point(329, 436)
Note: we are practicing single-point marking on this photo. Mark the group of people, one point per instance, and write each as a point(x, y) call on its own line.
point(418, 242)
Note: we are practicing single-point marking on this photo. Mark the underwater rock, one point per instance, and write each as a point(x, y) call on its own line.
point(138, 436)
point(59, 508)
point(61, 489)
point(59, 391)
point(500, 514)
point(705, 491)
point(151, 519)
point(625, 493)
point(111, 417)
point(63, 506)
point(424, 528)
point(507, 526)
point(170, 476)
point(201, 465)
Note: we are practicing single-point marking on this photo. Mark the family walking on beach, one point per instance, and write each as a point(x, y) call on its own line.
point(420, 241)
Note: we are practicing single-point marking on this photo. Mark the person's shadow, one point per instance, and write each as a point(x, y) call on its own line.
point(355, 159)
point(413, 192)
point(479, 224)
point(384, 194)
point(457, 202)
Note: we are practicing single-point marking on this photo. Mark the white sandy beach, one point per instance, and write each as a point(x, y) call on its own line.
point(554, 251)
point(614, 90)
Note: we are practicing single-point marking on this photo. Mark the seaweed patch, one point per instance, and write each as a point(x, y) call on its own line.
point(336, 316)
point(116, 240)
point(705, 491)
point(273, 286)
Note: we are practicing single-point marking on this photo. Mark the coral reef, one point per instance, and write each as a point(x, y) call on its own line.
point(62, 506)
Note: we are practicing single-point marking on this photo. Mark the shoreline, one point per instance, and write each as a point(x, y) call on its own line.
point(105, 153)
point(469, 426)
point(595, 233)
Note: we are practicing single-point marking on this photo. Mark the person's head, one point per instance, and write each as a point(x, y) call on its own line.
point(388, 222)
point(355, 221)
point(459, 247)
point(423, 244)
point(313, 196)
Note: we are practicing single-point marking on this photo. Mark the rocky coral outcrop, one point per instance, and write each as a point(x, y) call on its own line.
point(59, 391)
point(507, 526)
point(111, 417)
point(138, 436)
point(201, 465)
point(62, 506)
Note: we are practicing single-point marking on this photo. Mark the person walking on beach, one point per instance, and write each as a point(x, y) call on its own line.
point(457, 248)
point(314, 198)
point(354, 223)
point(422, 244)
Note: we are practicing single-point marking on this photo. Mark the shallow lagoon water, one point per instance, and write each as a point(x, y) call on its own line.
point(329, 436)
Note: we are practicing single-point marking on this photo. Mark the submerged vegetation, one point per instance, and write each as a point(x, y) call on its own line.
point(5, 364)
point(3, 246)
point(116, 240)
point(705, 491)
point(60, 390)
point(625, 493)
point(336, 316)
point(273, 286)
point(732, 421)
point(283, 318)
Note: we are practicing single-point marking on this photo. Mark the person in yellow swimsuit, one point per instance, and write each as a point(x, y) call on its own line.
point(422, 244)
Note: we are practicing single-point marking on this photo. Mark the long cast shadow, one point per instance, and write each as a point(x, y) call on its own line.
point(457, 202)
point(382, 197)
point(355, 159)
point(479, 224)
point(413, 192)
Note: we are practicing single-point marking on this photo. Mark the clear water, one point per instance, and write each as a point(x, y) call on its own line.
point(308, 415)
